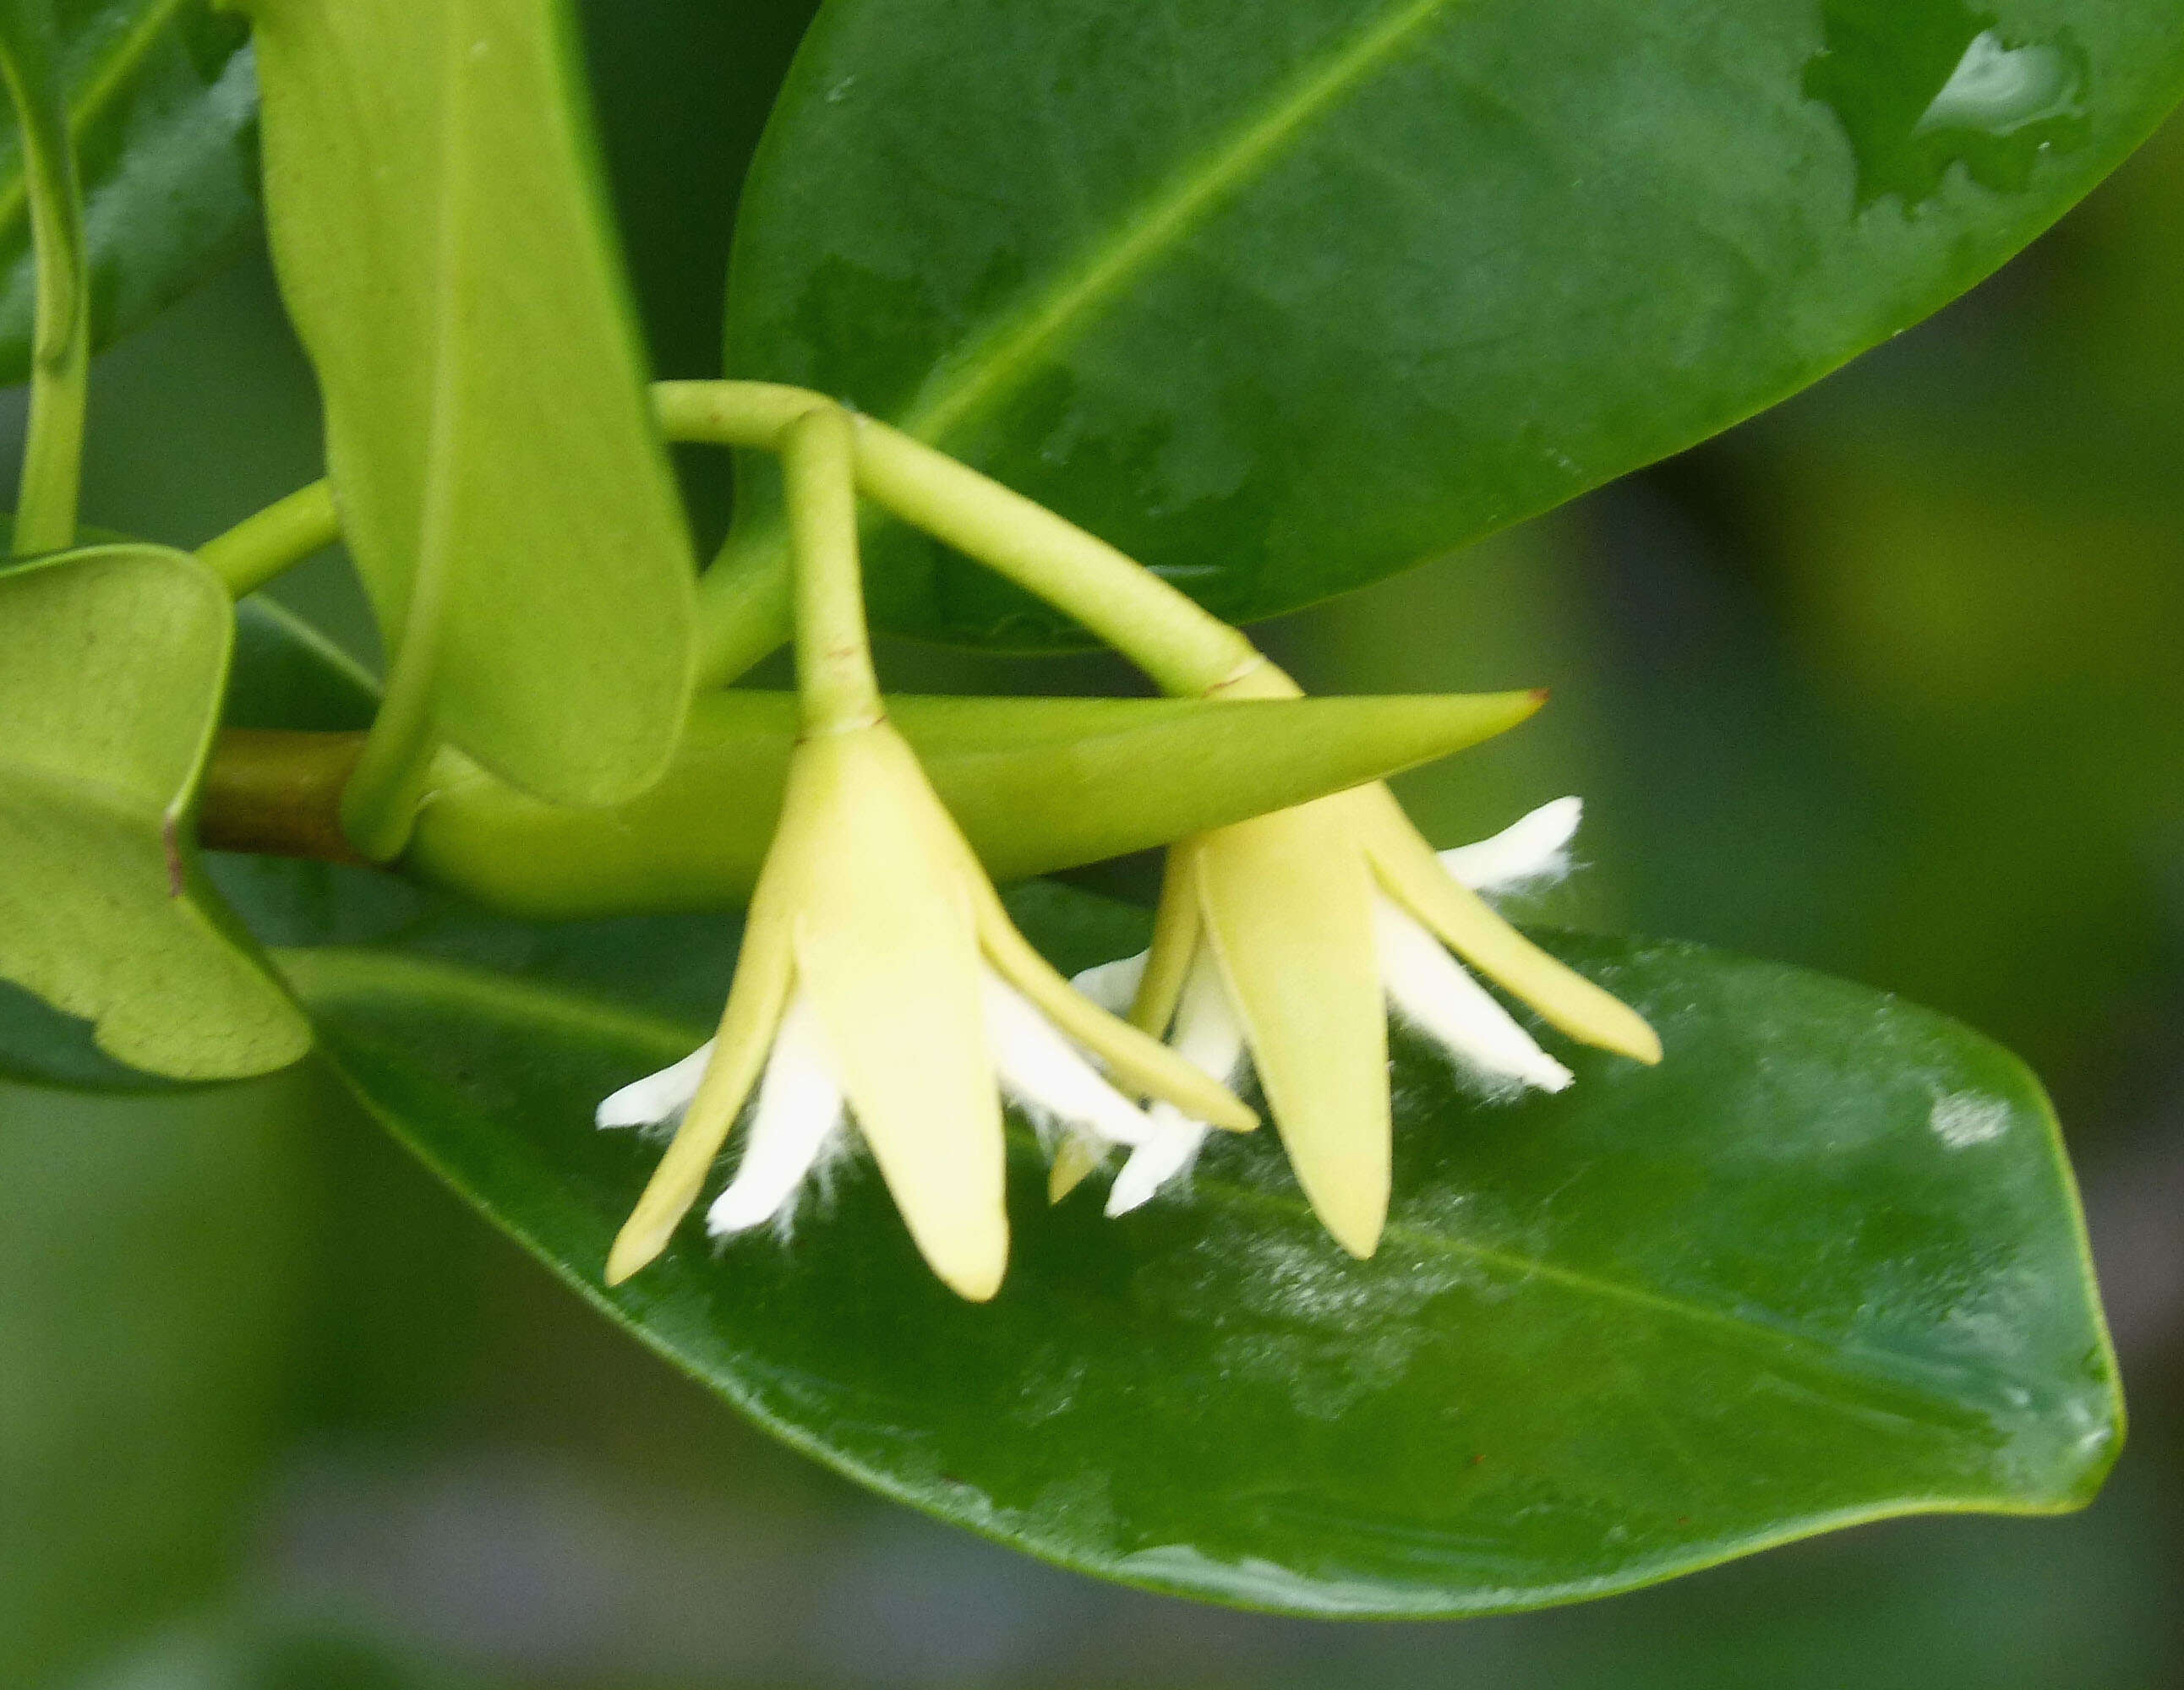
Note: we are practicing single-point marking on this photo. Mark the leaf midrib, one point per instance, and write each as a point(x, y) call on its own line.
point(1177, 205)
point(361, 971)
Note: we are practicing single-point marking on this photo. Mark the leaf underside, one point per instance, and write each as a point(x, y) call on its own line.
point(443, 247)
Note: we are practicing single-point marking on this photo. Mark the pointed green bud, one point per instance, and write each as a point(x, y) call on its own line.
point(1036, 785)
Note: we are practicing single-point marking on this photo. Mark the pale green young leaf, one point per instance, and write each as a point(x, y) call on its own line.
point(441, 243)
point(113, 662)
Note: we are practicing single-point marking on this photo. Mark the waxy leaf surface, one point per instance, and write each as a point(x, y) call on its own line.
point(1823, 1264)
point(442, 246)
point(1282, 297)
point(113, 661)
point(162, 109)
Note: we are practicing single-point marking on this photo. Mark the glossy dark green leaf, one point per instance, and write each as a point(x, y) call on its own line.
point(1823, 1264)
point(113, 662)
point(162, 111)
point(1282, 297)
point(443, 247)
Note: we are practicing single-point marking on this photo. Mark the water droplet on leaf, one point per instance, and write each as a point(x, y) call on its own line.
point(1924, 85)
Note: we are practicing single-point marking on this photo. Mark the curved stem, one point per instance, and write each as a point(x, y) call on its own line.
point(60, 369)
point(745, 605)
point(278, 793)
point(828, 457)
point(834, 677)
point(732, 413)
point(1184, 648)
point(278, 537)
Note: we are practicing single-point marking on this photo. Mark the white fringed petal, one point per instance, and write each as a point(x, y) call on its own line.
point(1113, 986)
point(1208, 1037)
point(798, 1111)
point(657, 1097)
point(1534, 848)
point(1434, 993)
point(1168, 1154)
point(1043, 1071)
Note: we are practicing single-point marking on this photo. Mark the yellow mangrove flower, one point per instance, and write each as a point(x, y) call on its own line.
point(880, 975)
point(1288, 937)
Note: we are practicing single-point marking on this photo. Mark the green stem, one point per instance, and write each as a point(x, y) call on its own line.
point(278, 537)
point(379, 802)
point(52, 451)
point(757, 598)
point(732, 413)
point(1186, 650)
point(745, 607)
point(834, 678)
point(277, 793)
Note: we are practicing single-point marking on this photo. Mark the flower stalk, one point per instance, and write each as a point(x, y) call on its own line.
point(60, 339)
point(881, 980)
point(835, 682)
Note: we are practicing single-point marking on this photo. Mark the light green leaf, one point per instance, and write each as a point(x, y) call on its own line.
point(161, 109)
point(1280, 298)
point(1036, 784)
point(1823, 1264)
point(112, 660)
point(442, 245)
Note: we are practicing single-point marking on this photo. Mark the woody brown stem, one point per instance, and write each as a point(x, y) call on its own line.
point(278, 793)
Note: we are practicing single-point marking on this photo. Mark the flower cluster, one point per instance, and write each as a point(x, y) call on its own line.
point(884, 990)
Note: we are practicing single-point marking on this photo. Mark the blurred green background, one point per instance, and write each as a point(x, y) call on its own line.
point(1889, 682)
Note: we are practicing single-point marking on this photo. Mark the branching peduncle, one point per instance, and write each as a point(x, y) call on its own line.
point(758, 599)
point(1186, 650)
